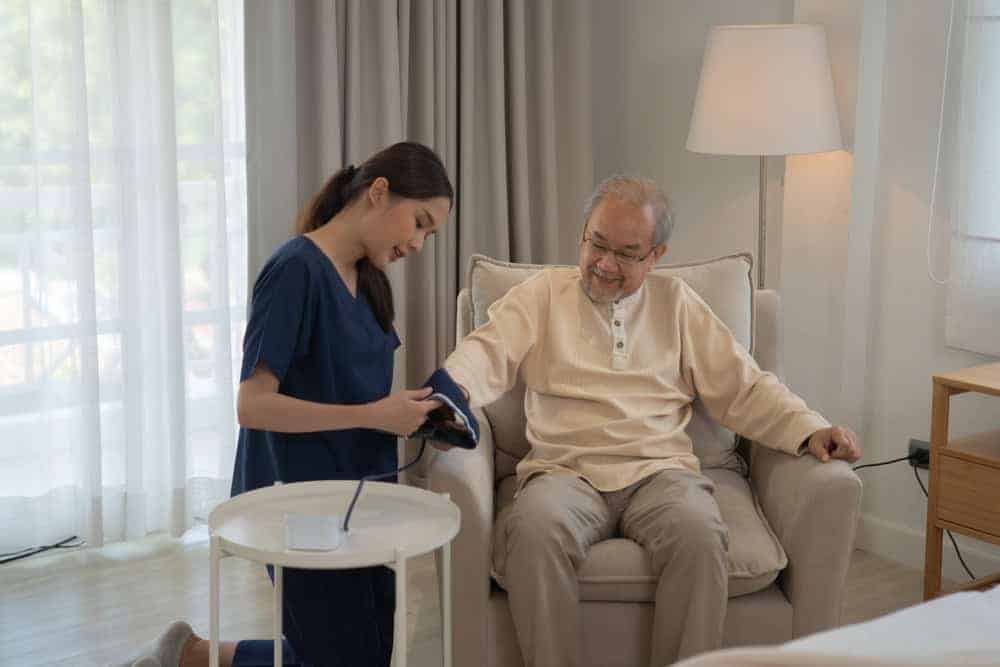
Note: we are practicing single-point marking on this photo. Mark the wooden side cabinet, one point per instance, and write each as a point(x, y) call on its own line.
point(964, 494)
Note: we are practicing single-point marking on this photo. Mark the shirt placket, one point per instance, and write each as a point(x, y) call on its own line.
point(619, 338)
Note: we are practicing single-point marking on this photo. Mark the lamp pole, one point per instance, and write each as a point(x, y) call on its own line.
point(762, 223)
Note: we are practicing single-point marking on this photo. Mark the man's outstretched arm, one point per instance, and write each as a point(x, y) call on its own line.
point(748, 400)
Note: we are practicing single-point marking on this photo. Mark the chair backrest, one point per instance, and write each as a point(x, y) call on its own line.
point(725, 285)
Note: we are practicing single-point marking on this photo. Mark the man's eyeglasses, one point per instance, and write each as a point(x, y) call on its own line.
point(623, 258)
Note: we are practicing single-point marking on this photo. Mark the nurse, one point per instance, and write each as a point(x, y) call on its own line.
point(314, 397)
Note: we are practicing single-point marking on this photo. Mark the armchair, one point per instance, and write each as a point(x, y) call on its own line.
point(789, 547)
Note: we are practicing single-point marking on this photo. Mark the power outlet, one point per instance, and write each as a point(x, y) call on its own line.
point(920, 453)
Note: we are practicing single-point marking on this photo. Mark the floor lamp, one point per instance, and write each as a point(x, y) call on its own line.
point(765, 90)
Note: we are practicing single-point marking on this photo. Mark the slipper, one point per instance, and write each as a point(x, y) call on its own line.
point(166, 650)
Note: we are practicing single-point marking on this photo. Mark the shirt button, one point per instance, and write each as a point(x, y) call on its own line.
point(620, 345)
point(618, 323)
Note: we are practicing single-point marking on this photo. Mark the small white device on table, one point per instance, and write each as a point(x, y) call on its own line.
point(300, 526)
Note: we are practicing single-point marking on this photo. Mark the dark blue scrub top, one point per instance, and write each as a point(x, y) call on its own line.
point(323, 345)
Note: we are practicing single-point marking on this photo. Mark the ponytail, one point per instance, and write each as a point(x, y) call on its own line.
point(328, 202)
point(413, 171)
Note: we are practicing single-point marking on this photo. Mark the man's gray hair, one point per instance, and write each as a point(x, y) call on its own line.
point(640, 192)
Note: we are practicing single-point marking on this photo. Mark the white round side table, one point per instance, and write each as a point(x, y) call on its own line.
point(390, 524)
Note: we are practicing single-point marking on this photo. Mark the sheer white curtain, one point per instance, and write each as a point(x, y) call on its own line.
point(973, 321)
point(122, 264)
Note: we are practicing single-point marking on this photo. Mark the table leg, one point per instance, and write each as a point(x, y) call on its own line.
point(446, 603)
point(932, 560)
point(399, 641)
point(939, 440)
point(278, 611)
point(213, 604)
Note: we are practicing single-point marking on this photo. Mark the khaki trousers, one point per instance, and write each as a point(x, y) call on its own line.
point(544, 535)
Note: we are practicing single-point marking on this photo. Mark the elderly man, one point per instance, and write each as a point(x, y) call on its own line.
point(612, 358)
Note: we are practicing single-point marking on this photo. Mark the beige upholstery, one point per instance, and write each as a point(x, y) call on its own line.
point(792, 517)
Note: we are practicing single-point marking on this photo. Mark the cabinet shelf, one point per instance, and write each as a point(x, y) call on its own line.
point(981, 448)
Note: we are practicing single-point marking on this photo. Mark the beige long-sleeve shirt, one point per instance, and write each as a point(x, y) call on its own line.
point(609, 387)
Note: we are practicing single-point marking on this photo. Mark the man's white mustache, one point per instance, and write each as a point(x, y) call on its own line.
point(604, 276)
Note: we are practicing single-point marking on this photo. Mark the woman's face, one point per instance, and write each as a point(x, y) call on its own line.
point(399, 226)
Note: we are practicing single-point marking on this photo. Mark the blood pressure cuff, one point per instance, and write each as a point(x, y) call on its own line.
point(454, 408)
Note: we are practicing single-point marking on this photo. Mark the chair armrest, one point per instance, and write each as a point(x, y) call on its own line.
point(467, 476)
point(813, 508)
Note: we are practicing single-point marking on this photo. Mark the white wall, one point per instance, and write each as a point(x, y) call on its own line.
point(816, 226)
point(646, 60)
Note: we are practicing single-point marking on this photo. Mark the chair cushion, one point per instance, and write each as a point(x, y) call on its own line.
point(618, 570)
point(723, 283)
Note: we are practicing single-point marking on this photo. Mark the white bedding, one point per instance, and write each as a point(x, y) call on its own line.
point(957, 629)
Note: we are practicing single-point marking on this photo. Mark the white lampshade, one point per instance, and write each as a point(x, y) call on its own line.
point(765, 90)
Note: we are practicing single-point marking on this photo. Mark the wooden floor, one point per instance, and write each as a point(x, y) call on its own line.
point(97, 606)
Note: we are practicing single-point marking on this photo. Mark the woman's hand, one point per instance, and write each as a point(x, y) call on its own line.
point(403, 412)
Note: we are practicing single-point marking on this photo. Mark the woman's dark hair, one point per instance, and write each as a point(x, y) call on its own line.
point(413, 171)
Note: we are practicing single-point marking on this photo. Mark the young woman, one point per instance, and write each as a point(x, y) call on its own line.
point(314, 399)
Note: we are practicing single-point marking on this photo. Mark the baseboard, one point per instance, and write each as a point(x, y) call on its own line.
point(906, 545)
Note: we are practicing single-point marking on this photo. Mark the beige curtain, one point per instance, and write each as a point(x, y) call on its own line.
point(500, 89)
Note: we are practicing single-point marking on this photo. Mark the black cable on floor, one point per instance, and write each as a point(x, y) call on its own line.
point(71, 542)
point(950, 536)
